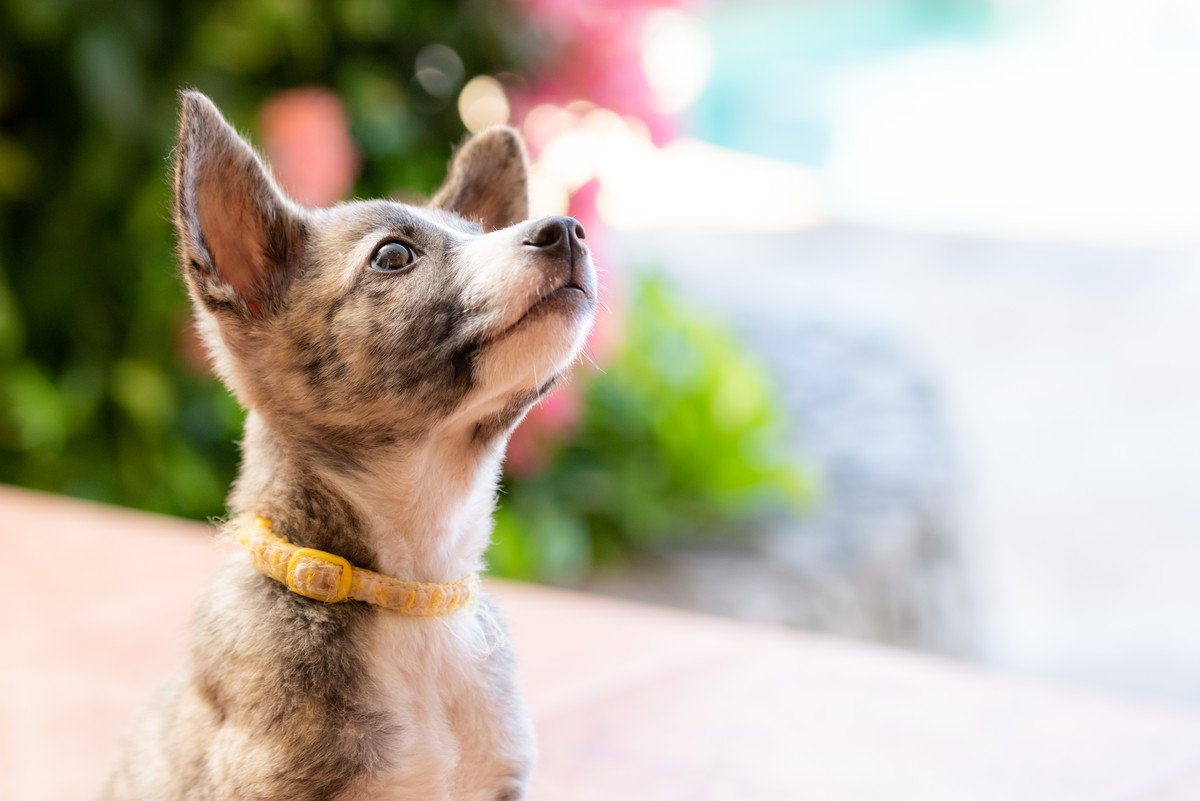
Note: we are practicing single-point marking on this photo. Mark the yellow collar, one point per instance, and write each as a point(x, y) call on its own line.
point(327, 577)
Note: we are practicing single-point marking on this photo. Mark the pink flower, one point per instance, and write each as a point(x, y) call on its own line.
point(556, 419)
point(606, 331)
point(552, 421)
point(307, 141)
point(594, 52)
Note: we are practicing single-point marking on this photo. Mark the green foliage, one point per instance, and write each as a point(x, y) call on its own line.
point(95, 400)
point(680, 438)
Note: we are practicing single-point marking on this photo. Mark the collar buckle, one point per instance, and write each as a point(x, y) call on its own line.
point(308, 574)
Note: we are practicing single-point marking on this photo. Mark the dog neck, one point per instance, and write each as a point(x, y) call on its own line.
point(419, 511)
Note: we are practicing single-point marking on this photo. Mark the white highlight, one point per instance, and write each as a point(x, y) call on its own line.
point(482, 102)
point(1059, 140)
point(686, 185)
point(677, 57)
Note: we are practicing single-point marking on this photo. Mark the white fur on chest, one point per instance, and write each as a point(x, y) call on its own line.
point(462, 731)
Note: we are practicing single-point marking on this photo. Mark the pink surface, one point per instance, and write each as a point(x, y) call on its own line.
point(631, 702)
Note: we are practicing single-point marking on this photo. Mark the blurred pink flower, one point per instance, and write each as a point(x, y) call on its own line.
point(307, 141)
point(594, 53)
point(556, 418)
point(606, 331)
point(549, 423)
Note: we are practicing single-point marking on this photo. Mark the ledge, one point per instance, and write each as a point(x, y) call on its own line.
point(630, 701)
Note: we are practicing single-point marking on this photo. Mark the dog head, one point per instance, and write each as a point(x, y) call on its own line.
point(373, 322)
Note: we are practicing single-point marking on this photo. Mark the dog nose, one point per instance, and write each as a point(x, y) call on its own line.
point(556, 234)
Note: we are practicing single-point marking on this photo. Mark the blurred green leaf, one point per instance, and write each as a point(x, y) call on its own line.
point(12, 332)
point(143, 392)
point(36, 409)
point(681, 437)
point(18, 170)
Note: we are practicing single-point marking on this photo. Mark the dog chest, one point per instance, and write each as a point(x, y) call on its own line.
point(448, 688)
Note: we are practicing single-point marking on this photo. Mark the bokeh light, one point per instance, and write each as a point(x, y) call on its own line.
point(677, 57)
point(482, 102)
point(307, 140)
point(439, 70)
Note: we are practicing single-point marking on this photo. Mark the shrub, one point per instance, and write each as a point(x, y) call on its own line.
point(680, 437)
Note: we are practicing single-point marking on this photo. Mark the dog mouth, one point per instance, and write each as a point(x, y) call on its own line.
point(570, 298)
point(568, 290)
point(565, 297)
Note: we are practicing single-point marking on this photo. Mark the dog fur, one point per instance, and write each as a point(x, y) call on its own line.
point(379, 405)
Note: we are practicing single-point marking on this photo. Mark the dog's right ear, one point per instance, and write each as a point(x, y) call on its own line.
point(239, 236)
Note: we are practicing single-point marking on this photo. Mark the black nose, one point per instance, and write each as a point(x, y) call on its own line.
point(556, 234)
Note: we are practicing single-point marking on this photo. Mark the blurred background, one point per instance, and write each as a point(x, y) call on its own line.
point(902, 316)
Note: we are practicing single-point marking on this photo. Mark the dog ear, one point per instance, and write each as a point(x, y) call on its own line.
point(488, 180)
point(239, 236)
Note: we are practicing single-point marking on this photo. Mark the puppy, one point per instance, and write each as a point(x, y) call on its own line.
point(384, 352)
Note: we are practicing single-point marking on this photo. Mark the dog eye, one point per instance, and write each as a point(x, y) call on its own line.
point(393, 257)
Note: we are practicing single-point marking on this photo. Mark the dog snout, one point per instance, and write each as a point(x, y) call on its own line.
point(558, 236)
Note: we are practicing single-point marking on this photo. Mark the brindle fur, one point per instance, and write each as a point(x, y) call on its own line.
point(379, 405)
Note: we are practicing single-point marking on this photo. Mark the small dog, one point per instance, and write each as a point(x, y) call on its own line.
point(384, 353)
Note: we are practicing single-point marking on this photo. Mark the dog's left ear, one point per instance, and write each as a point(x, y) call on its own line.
point(488, 180)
